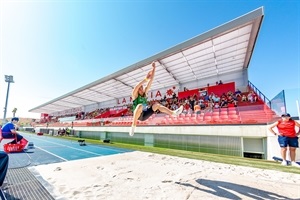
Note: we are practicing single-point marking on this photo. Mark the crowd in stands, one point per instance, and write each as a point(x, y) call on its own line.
point(197, 103)
point(209, 102)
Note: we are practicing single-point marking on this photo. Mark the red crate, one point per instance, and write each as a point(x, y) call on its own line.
point(10, 148)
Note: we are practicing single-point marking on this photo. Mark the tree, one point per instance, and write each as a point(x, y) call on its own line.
point(14, 112)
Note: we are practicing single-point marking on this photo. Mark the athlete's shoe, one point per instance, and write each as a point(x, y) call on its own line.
point(294, 164)
point(131, 131)
point(284, 163)
point(178, 111)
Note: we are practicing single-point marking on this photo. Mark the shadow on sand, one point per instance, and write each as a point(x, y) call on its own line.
point(222, 189)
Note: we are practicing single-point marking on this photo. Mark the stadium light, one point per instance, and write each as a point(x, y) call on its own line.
point(9, 79)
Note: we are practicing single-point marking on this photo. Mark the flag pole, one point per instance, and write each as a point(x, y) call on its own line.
point(298, 110)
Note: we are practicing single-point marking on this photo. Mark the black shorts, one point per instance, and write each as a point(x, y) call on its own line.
point(146, 114)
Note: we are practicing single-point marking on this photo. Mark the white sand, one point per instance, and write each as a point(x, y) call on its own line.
point(139, 175)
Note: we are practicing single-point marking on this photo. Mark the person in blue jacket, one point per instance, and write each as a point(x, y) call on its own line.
point(9, 131)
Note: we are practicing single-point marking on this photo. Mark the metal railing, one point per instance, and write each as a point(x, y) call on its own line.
point(260, 94)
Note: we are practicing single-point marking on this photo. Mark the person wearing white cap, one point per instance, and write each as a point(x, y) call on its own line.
point(287, 137)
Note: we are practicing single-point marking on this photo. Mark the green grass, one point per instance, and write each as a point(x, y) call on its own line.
point(233, 160)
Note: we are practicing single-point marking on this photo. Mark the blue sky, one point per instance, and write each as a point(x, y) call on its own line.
point(54, 47)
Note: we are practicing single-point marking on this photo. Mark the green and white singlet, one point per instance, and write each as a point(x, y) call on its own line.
point(140, 100)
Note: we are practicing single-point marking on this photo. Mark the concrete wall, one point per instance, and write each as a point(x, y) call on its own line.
point(254, 138)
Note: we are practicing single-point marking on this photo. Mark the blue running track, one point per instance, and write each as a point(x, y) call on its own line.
point(55, 149)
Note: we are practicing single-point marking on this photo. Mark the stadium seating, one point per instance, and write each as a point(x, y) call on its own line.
point(245, 113)
point(258, 113)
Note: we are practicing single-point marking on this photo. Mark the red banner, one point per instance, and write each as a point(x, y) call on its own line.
point(188, 93)
point(216, 89)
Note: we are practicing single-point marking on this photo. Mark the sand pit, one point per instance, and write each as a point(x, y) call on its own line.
point(139, 175)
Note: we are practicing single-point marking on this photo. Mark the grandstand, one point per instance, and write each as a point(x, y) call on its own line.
point(101, 109)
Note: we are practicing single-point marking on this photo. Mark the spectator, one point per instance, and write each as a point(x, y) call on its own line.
point(63, 132)
point(174, 106)
point(220, 82)
point(250, 97)
point(59, 131)
point(187, 100)
point(197, 109)
point(287, 137)
point(174, 96)
point(238, 93)
point(68, 131)
point(244, 98)
point(9, 131)
point(215, 98)
point(254, 97)
point(163, 101)
point(216, 105)
point(229, 93)
point(202, 104)
point(223, 103)
point(192, 102)
point(185, 89)
point(210, 106)
point(231, 100)
point(234, 97)
point(206, 98)
point(211, 96)
point(186, 108)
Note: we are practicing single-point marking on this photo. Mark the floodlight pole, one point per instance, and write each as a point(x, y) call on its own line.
point(9, 79)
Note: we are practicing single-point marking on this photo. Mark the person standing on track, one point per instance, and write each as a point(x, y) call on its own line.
point(141, 110)
point(287, 137)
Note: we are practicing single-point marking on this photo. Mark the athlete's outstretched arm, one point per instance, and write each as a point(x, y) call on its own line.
point(150, 77)
point(136, 88)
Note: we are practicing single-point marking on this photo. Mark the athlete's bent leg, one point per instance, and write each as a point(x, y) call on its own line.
point(163, 109)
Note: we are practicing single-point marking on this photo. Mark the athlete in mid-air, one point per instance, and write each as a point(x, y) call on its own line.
point(141, 110)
